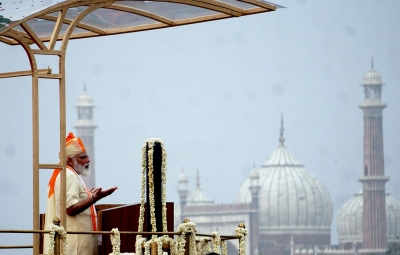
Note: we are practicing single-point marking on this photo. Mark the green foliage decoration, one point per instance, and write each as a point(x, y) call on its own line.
point(4, 22)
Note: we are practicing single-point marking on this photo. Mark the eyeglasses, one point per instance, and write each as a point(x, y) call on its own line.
point(82, 156)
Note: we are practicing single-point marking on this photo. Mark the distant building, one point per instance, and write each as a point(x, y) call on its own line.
point(279, 203)
point(287, 210)
point(85, 130)
point(371, 219)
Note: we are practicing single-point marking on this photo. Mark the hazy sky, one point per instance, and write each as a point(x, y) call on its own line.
point(214, 92)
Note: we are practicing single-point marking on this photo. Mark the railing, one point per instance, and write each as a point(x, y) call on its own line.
point(57, 250)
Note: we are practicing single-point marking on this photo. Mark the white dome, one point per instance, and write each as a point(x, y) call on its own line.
point(197, 197)
point(350, 223)
point(84, 99)
point(372, 77)
point(291, 198)
point(182, 177)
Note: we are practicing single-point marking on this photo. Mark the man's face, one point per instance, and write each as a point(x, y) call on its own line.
point(80, 163)
point(83, 159)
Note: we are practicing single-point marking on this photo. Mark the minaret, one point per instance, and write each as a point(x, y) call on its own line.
point(183, 191)
point(254, 216)
point(374, 179)
point(85, 130)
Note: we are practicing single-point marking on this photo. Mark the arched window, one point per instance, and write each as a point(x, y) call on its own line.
point(372, 93)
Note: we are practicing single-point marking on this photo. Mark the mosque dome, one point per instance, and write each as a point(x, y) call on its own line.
point(291, 199)
point(350, 223)
point(198, 197)
point(290, 196)
point(84, 99)
point(372, 76)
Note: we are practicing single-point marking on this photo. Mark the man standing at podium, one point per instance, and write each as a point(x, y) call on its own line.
point(80, 210)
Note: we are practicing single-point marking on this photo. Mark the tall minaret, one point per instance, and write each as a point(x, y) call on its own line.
point(254, 216)
point(85, 130)
point(183, 192)
point(374, 179)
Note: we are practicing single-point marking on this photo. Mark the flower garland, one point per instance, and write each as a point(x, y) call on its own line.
point(216, 242)
point(207, 247)
point(167, 240)
point(138, 245)
point(116, 243)
point(149, 148)
point(224, 247)
point(203, 247)
point(184, 228)
point(150, 155)
point(242, 232)
point(61, 231)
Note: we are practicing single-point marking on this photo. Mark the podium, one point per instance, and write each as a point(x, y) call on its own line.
point(125, 218)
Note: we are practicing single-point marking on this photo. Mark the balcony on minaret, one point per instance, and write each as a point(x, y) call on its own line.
point(85, 114)
point(372, 93)
point(372, 90)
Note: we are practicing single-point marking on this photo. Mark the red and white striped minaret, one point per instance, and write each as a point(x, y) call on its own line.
point(373, 179)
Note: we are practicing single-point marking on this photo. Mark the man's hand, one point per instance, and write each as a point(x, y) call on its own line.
point(99, 193)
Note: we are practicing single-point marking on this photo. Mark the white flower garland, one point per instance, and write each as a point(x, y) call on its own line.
point(188, 227)
point(224, 247)
point(61, 231)
point(116, 243)
point(207, 248)
point(216, 242)
point(203, 247)
point(138, 245)
point(165, 239)
point(242, 232)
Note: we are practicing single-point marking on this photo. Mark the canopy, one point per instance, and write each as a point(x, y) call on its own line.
point(36, 19)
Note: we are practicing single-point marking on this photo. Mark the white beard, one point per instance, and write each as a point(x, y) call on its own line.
point(81, 169)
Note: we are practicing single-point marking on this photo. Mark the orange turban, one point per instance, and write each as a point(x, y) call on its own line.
point(74, 146)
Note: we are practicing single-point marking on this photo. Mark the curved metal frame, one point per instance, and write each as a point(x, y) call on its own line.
point(222, 9)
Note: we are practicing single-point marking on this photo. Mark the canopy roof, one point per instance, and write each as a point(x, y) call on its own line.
point(39, 17)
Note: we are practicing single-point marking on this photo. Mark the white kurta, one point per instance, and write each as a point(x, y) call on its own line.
point(82, 244)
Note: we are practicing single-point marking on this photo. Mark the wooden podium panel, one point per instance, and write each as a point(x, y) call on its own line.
point(126, 218)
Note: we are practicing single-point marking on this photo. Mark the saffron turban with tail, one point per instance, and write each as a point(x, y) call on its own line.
point(74, 146)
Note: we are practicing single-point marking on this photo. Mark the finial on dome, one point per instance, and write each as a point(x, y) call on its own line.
point(372, 62)
point(84, 87)
point(282, 138)
point(197, 179)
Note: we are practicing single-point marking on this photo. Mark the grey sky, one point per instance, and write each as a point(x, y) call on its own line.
point(214, 92)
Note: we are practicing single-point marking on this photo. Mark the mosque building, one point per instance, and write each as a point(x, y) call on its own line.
point(287, 210)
